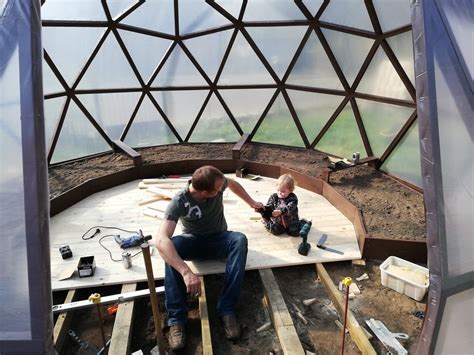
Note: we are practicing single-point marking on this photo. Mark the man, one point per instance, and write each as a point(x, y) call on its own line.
point(200, 208)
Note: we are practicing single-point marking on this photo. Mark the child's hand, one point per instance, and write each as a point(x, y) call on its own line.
point(276, 213)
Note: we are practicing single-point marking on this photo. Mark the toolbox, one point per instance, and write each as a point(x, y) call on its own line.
point(86, 266)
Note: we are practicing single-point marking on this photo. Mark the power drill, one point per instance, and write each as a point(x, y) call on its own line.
point(133, 241)
point(304, 247)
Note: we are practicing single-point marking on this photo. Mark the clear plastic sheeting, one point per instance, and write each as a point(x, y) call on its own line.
point(455, 334)
point(25, 283)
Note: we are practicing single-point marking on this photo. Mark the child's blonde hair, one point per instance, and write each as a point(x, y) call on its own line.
point(287, 181)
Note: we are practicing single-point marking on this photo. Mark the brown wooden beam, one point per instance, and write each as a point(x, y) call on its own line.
point(238, 146)
point(132, 153)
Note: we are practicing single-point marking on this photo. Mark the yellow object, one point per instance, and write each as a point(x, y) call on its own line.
point(94, 298)
point(347, 281)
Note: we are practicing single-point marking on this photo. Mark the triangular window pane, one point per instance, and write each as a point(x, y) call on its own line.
point(243, 66)
point(78, 137)
point(278, 127)
point(402, 46)
point(381, 79)
point(231, 6)
point(393, 13)
point(214, 125)
point(53, 108)
point(179, 71)
point(313, 67)
point(215, 43)
point(342, 43)
point(247, 105)
point(72, 10)
point(68, 55)
point(111, 111)
point(181, 115)
point(272, 10)
point(196, 16)
point(313, 110)
point(382, 122)
point(343, 137)
point(405, 162)
point(117, 7)
point(350, 13)
point(109, 69)
point(149, 128)
point(313, 5)
point(153, 15)
point(278, 44)
point(51, 83)
point(146, 51)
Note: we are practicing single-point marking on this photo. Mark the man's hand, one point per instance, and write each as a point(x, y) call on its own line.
point(192, 282)
point(256, 205)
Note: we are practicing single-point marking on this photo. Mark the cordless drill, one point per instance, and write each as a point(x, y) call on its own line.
point(133, 241)
point(303, 248)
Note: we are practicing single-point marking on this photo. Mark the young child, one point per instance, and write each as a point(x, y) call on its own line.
point(284, 207)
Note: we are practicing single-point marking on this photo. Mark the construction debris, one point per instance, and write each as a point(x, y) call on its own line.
point(360, 262)
point(364, 276)
point(340, 326)
point(309, 301)
point(266, 326)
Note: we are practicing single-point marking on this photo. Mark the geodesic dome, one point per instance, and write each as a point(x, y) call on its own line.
point(337, 76)
point(334, 76)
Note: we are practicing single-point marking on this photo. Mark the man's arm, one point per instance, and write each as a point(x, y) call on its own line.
point(237, 189)
point(170, 256)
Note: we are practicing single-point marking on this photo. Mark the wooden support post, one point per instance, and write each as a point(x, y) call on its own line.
point(122, 147)
point(355, 330)
point(153, 299)
point(62, 323)
point(205, 328)
point(238, 146)
point(289, 341)
point(122, 331)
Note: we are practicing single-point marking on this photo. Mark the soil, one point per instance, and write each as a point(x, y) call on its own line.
point(390, 210)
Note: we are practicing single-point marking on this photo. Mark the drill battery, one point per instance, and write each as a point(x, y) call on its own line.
point(66, 252)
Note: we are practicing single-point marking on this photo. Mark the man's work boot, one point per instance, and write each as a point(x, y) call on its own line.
point(231, 326)
point(177, 337)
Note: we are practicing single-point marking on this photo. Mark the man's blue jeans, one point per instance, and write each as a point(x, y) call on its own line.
point(230, 245)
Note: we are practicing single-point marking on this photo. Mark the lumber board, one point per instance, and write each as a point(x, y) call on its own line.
point(282, 321)
point(122, 331)
point(118, 207)
point(61, 327)
point(355, 330)
point(204, 315)
point(161, 192)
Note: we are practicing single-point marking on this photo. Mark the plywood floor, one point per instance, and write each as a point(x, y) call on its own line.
point(118, 207)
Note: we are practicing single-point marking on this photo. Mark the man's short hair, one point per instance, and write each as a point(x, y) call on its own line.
point(204, 178)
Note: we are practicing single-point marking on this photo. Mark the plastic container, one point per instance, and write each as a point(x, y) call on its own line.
point(405, 277)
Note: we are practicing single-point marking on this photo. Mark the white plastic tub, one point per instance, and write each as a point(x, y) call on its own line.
point(405, 277)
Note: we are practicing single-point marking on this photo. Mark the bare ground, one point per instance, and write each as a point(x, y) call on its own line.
point(390, 210)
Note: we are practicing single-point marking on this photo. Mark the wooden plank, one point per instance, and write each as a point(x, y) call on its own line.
point(355, 330)
point(205, 327)
point(118, 207)
point(122, 331)
point(238, 146)
point(61, 327)
point(282, 321)
point(132, 153)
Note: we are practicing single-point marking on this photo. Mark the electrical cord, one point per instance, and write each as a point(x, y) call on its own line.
point(98, 231)
point(108, 250)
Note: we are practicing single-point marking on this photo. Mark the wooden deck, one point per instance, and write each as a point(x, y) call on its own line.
point(119, 207)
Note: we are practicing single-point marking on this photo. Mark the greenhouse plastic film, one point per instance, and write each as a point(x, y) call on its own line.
point(25, 286)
